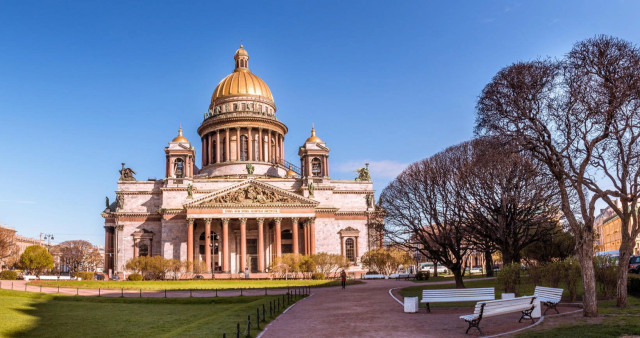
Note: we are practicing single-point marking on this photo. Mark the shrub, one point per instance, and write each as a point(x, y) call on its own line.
point(509, 277)
point(553, 272)
point(536, 274)
point(317, 275)
point(606, 271)
point(423, 275)
point(572, 274)
point(135, 277)
point(372, 272)
point(85, 275)
point(8, 275)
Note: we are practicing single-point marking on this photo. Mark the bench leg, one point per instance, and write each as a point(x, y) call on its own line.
point(550, 306)
point(526, 314)
point(428, 308)
point(474, 323)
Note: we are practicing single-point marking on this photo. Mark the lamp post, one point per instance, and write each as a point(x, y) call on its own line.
point(48, 238)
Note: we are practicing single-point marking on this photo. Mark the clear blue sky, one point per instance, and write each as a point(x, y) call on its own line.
point(86, 85)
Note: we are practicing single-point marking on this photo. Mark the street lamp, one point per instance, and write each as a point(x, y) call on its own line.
point(48, 238)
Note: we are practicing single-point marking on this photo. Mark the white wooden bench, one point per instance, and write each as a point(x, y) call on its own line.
point(499, 307)
point(457, 295)
point(550, 297)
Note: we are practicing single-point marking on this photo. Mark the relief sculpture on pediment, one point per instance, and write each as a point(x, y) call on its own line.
point(251, 195)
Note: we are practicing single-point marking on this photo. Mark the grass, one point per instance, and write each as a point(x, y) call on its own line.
point(189, 284)
point(45, 315)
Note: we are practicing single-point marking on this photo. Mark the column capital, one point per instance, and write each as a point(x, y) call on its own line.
point(278, 220)
point(225, 221)
point(295, 219)
point(260, 220)
point(207, 221)
point(190, 221)
point(243, 220)
point(119, 227)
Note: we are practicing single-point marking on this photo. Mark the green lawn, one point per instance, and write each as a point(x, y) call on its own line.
point(189, 284)
point(45, 315)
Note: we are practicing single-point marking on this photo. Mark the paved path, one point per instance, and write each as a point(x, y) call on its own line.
point(367, 310)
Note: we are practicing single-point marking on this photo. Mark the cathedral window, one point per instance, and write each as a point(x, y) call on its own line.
point(224, 149)
point(350, 249)
point(244, 107)
point(244, 148)
point(178, 168)
point(316, 167)
point(226, 107)
point(235, 107)
point(143, 250)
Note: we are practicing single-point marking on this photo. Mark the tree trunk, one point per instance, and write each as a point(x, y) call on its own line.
point(457, 275)
point(435, 269)
point(589, 301)
point(623, 266)
point(488, 263)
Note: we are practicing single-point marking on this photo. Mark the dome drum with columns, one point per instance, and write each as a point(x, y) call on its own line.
point(245, 205)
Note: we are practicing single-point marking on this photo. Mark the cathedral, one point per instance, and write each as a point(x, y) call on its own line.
point(245, 205)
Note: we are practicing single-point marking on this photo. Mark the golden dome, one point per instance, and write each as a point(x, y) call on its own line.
point(241, 82)
point(290, 172)
point(180, 138)
point(313, 138)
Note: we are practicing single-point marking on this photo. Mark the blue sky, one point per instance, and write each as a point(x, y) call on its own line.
point(87, 85)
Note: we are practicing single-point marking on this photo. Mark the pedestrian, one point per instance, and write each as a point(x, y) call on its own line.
point(343, 277)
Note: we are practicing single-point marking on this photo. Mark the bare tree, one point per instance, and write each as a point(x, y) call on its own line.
point(78, 255)
point(8, 248)
point(510, 202)
point(424, 211)
point(564, 113)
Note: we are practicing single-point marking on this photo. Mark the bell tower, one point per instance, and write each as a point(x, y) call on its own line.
point(314, 157)
point(180, 155)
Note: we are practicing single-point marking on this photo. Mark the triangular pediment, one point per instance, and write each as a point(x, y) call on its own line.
point(252, 193)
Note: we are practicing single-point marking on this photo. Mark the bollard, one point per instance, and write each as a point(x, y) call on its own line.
point(98, 292)
point(140, 293)
point(165, 293)
point(265, 291)
point(216, 292)
point(249, 325)
point(263, 316)
point(121, 292)
point(240, 291)
point(224, 335)
point(191, 295)
point(270, 312)
point(258, 318)
point(278, 304)
point(77, 291)
point(238, 330)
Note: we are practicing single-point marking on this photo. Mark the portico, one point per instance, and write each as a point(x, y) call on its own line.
point(247, 226)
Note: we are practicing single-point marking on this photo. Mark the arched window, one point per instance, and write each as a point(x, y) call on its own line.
point(224, 149)
point(316, 167)
point(178, 168)
point(235, 107)
point(143, 250)
point(244, 147)
point(226, 107)
point(350, 249)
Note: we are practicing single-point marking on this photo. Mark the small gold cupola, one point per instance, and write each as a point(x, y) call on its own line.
point(242, 60)
point(313, 138)
point(180, 138)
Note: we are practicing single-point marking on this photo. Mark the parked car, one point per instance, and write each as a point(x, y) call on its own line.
point(476, 269)
point(198, 277)
point(429, 267)
point(634, 264)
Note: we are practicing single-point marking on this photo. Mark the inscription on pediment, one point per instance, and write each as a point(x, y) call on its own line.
point(251, 195)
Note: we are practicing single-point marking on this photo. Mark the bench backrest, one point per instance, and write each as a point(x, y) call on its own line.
point(500, 306)
point(458, 295)
point(548, 293)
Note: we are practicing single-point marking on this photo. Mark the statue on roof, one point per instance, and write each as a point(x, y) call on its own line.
point(311, 189)
point(250, 168)
point(190, 191)
point(126, 174)
point(363, 173)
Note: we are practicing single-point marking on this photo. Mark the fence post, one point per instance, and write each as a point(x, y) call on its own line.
point(77, 291)
point(258, 317)
point(238, 330)
point(98, 292)
point(240, 291)
point(265, 291)
point(165, 293)
point(140, 293)
point(264, 319)
point(216, 292)
point(249, 325)
point(191, 295)
point(121, 292)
